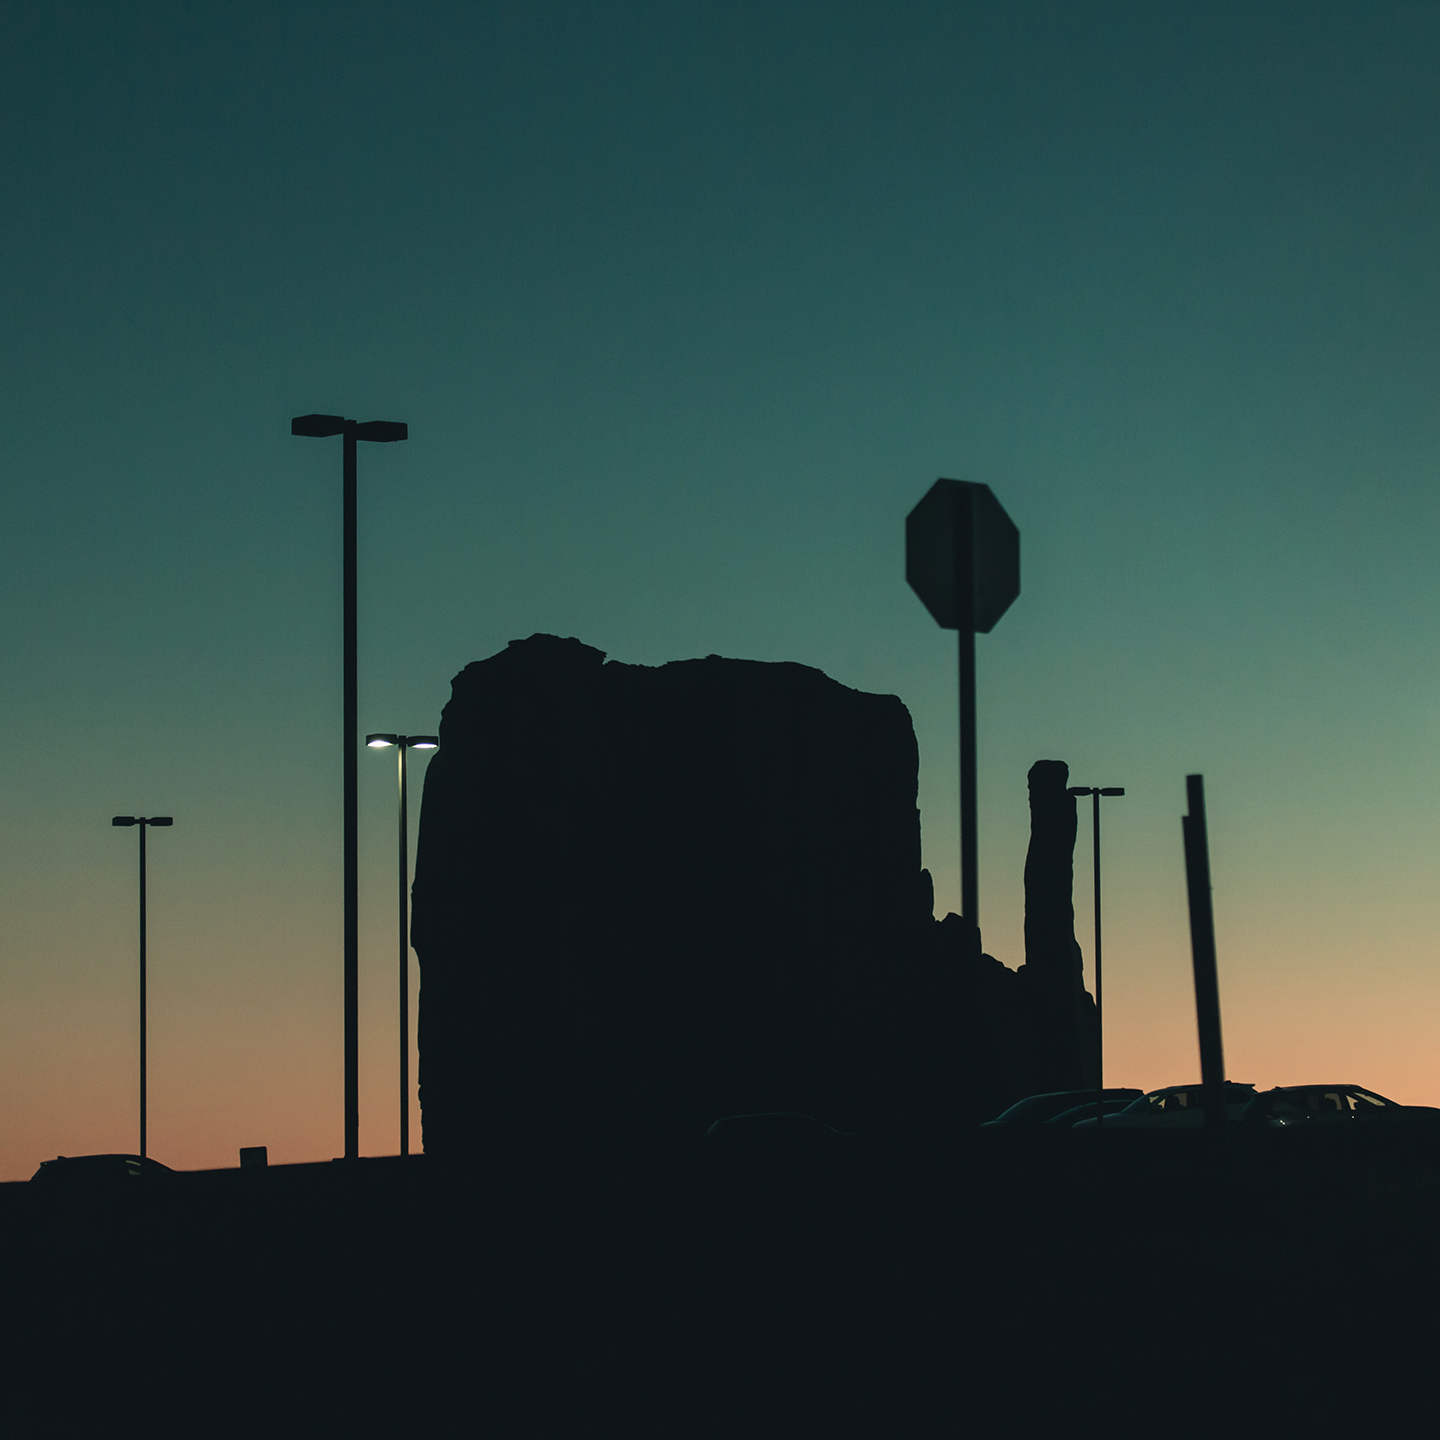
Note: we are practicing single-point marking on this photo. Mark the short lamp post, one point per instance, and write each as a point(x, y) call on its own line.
point(403, 743)
point(144, 822)
point(319, 427)
point(1095, 793)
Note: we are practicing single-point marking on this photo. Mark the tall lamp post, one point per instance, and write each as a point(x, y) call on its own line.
point(404, 743)
point(144, 822)
point(1095, 792)
point(319, 427)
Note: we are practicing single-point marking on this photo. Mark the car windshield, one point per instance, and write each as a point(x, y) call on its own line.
point(1146, 1102)
point(1086, 1111)
point(1364, 1099)
point(1038, 1107)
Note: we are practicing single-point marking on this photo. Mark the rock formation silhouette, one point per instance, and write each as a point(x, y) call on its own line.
point(1063, 1035)
point(1015, 1033)
point(647, 897)
point(658, 894)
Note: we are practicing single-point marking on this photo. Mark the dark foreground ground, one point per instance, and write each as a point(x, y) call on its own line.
point(1114, 1289)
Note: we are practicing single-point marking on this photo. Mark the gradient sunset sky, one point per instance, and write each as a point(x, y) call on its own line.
point(686, 306)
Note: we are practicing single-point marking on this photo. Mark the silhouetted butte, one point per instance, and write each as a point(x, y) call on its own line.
point(647, 897)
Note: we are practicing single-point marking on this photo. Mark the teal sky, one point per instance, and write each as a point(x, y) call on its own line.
point(686, 306)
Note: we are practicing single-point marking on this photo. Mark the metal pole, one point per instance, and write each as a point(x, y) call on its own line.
point(404, 960)
point(143, 1057)
point(969, 844)
point(1099, 1013)
point(965, 625)
point(352, 820)
point(1202, 944)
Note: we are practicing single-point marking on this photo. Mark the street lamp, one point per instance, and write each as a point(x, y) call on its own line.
point(404, 743)
point(319, 427)
point(1095, 792)
point(144, 822)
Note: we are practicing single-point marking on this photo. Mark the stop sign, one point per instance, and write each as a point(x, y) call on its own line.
point(959, 535)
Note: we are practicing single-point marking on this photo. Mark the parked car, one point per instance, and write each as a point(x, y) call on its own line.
point(1066, 1118)
point(1289, 1107)
point(1176, 1107)
point(784, 1128)
point(83, 1172)
point(1037, 1109)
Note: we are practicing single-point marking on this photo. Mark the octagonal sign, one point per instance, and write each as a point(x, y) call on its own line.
point(959, 534)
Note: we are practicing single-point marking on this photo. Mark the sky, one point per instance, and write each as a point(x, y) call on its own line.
point(686, 306)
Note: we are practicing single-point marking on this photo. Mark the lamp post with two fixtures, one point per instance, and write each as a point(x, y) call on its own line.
point(1095, 792)
point(404, 743)
point(144, 822)
point(319, 427)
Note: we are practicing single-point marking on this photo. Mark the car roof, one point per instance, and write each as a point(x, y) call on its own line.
point(83, 1159)
point(1057, 1097)
point(771, 1121)
point(1063, 1094)
point(1199, 1085)
point(1331, 1089)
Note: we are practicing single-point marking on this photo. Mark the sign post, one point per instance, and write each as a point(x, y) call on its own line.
point(962, 558)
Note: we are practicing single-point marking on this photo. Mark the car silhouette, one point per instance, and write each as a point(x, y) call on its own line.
point(1176, 1107)
point(1291, 1107)
point(83, 1172)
